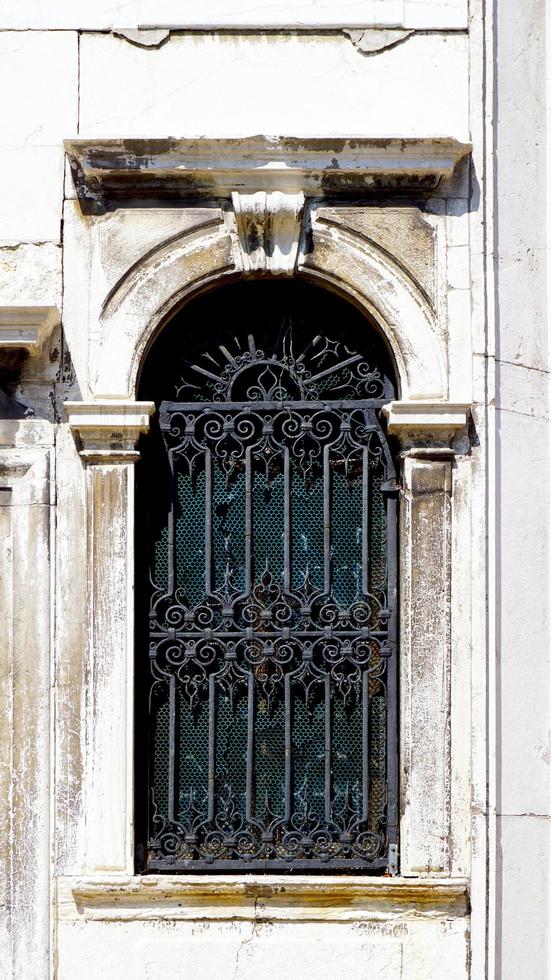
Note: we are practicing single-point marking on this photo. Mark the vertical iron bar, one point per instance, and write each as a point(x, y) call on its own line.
point(171, 521)
point(212, 746)
point(365, 521)
point(326, 521)
point(250, 746)
point(288, 749)
point(392, 669)
point(327, 683)
point(171, 748)
point(208, 522)
point(365, 744)
point(287, 521)
point(248, 522)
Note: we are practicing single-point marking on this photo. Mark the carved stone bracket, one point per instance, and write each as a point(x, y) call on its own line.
point(268, 226)
point(27, 327)
point(108, 431)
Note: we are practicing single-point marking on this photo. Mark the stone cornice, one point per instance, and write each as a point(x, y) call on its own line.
point(27, 327)
point(425, 421)
point(261, 897)
point(111, 169)
point(108, 431)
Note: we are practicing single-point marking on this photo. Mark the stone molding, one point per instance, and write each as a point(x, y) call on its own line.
point(336, 257)
point(108, 431)
point(268, 226)
point(27, 327)
point(425, 421)
point(258, 897)
point(115, 169)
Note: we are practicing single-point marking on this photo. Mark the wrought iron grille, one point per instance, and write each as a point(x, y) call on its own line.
point(272, 614)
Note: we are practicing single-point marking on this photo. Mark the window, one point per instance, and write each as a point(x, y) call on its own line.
point(266, 609)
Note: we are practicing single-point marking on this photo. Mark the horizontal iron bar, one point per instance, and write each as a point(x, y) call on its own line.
point(268, 635)
point(335, 865)
point(167, 408)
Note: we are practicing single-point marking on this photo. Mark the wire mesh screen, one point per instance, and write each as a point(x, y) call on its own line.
point(272, 622)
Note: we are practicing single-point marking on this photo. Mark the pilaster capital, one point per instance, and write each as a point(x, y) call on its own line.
point(27, 327)
point(108, 431)
point(426, 428)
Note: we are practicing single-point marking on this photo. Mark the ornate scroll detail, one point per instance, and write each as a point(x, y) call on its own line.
point(292, 368)
point(268, 226)
point(271, 644)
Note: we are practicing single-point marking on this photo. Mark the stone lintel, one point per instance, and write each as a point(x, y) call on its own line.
point(428, 422)
point(108, 431)
point(300, 897)
point(27, 327)
point(111, 169)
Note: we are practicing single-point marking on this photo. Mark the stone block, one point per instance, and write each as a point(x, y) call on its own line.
point(523, 390)
point(421, 14)
point(76, 294)
point(386, 949)
point(427, 957)
point(457, 221)
point(523, 615)
point(31, 273)
point(273, 951)
point(403, 232)
point(459, 275)
point(459, 344)
point(32, 182)
point(68, 14)
point(127, 235)
point(522, 914)
point(521, 174)
point(188, 86)
point(40, 72)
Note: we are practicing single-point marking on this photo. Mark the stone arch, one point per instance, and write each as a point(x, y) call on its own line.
point(158, 284)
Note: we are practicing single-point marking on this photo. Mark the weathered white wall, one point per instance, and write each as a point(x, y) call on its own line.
point(67, 74)
point(244, 950)
point(106, 14)
point(523, 451)
point(190, 85)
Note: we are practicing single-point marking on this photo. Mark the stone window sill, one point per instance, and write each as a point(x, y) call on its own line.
point(260, 897)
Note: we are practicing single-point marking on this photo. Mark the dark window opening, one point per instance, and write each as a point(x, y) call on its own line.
point(266, 539)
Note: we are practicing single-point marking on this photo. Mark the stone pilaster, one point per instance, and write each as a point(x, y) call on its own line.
point(107, 435)
point(25, 684)
point(426, 431)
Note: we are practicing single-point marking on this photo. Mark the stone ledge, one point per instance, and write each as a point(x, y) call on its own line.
point(260, 897)
point(106, 169)
point(27, 327)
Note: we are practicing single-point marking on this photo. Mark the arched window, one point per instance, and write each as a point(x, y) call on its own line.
point(266, 588)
